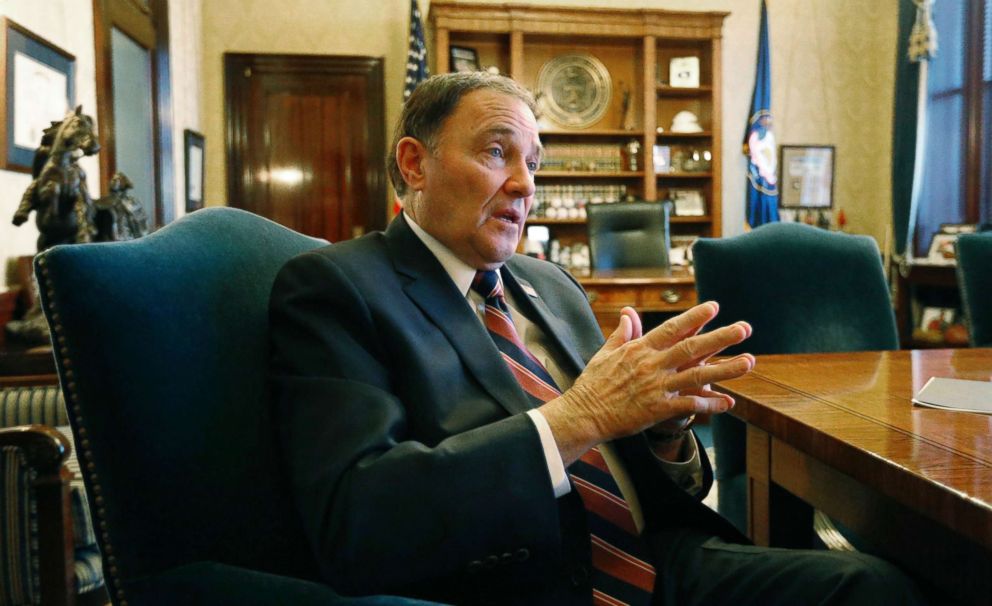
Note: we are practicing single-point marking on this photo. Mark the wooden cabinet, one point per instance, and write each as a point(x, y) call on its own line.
point(636, 47)
point(922, 286)
point(647, 290)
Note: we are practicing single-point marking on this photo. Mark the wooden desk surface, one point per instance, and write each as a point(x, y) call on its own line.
point(840, 431)
point(636, 277)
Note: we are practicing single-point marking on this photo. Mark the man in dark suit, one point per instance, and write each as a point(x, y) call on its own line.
point(444, 401)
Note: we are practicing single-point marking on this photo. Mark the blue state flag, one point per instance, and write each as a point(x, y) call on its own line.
point(759, 140)
point(416, 59)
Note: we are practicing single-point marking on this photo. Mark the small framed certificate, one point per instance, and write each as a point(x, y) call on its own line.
point(807, 179)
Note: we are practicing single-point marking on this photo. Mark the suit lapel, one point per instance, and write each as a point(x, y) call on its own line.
point(431, 290)
point(531, 304)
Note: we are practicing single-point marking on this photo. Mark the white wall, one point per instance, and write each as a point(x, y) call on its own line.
point(67, 24)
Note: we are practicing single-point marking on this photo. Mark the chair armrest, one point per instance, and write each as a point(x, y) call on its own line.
point(44, 451)
point(44, 447)
point(209, 583)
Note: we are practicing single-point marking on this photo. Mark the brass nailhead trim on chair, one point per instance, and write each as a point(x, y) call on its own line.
point(84, 453)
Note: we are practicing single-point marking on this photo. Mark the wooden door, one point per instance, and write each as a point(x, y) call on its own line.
point(305, 141)
point(132, 55)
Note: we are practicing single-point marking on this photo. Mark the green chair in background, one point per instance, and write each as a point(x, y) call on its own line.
point(974, 252)
point(629, 234)
point(803, 290)
point(161, 346)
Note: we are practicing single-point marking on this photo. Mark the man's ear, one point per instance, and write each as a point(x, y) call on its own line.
point(410, 157)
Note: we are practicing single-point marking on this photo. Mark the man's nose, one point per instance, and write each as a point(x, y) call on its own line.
point(520, 182)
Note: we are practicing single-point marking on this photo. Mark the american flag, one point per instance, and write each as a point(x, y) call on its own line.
point(416, 60)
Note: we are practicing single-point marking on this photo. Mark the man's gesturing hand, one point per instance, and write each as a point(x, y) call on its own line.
point(637, 381)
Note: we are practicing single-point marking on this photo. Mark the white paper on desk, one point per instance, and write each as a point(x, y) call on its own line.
point(956, 394)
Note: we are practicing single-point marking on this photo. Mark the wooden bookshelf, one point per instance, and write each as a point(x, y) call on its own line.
point(636, 46)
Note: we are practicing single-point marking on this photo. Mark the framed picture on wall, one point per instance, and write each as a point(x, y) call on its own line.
point(806, 176)
point(39, 86)
point(194, 145)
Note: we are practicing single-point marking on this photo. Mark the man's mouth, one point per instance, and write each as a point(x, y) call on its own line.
point(509, 215)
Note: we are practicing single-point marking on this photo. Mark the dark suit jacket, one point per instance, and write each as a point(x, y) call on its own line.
point(413, 464)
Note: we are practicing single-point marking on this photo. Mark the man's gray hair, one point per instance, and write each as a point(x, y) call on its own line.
point(433, 101)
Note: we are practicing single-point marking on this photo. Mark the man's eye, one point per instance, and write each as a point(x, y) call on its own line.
point(495, 152)
point(533, 166)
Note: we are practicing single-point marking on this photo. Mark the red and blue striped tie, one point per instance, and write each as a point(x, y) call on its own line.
point(622, 575)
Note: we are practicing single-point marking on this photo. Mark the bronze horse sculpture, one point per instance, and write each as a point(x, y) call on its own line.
point(58, 194)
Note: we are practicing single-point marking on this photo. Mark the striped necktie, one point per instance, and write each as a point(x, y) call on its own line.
point(622, 575)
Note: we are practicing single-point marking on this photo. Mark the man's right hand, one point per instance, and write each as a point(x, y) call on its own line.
point(635, 382)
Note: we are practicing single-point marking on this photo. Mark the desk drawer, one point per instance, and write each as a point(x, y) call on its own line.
point(667, 297)
point(648, 297)
point(612, 297)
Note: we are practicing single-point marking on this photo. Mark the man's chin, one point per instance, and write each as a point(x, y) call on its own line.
point(494, 256)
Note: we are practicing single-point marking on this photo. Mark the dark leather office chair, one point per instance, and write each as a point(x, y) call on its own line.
point(974, 252)
point(803, 290)
point(162, 348)
point(629, 234)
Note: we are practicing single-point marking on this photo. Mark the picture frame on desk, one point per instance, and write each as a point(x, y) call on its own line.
point(38, 80)
point(463, 59)
point(806, 176)
point(943, 249)
point(936, 319)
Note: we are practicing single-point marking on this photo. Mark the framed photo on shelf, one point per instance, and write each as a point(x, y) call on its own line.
point(683, 72)
point(943, 249)
point(662, 159)
point(806, 176)
point(463, 59)
point(688, 202)
point(39, 86)
point(194, 146)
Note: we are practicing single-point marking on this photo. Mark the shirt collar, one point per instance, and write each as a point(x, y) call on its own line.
point(460, 272)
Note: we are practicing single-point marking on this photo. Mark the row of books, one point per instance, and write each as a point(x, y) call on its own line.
point(582, 157)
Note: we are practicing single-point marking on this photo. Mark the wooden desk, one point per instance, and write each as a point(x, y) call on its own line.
point(839, 431)
point(647, 290)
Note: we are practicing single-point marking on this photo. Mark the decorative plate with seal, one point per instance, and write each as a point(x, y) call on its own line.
point(574, 90)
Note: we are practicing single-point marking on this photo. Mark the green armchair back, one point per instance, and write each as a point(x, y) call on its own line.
point(974, 253)
point(803, 290)
point(161, 346)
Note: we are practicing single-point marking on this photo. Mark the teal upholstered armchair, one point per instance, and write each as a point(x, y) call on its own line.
point(48, 550)
point(162, 351)
point(974, 253)
point(803, 290)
